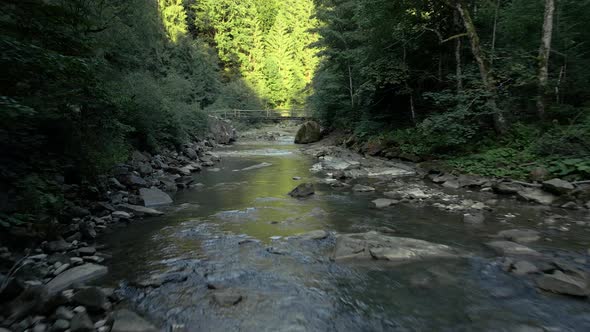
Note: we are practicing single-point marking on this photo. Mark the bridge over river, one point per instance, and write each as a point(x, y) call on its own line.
point(271, 114)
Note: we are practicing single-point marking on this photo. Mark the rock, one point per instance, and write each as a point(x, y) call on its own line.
point(221, 130)
point(116, 184)
point(60, 325)
point(154, 197)
point(87, 230)
point(57, 246)
point(61, 269)
point(562, 283)
point(227, 297)
point(77, 275)
point(506, 188)
point(384, 202)
point(81, 323)
point(473, 218)
point(140, 210)
point(296, 178)
point(558, 186)
point(128, 321)
point(309, 132)
point(538, 174)
point(133, 181)
point(64, 313)
point(508, 248)
point(303, 190)
point(314, 235)
point(452, 184)
point(121, 215)
point(86, 251)
point(519, 235)
point(257, 166)
point(382, 247)
point(39, 327)
point(536, 195)
point(361, 188)
point(92, 298)
point(524, 267)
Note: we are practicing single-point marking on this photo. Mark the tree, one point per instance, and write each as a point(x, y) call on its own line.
point(544, 52)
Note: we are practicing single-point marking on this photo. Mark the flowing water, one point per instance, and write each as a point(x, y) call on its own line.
point(233, 231)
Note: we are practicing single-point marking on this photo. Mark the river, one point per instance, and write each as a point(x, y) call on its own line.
point(234, 231)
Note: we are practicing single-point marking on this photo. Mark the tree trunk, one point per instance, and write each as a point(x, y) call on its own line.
point(544, 52)
point(458, 65)
point(484, 70)
point(493, 53)
point(350, 86)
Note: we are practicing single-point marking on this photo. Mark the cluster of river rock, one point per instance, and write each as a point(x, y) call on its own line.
point(45, 287)
point(360, 173)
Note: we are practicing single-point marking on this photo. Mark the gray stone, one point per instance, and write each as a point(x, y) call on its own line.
point(536, 195)
point(558, 186)
point(57, 246)
point(128, 321)
point(227, 297)
point(509, 248)
point(309, 132)
point(92, 298)
point(64, 313)
point(473, 218)
point(134, 181)
point(81, 323)
point(154, 197)
point(39, 327)
point(140, 210)
point(372, 245)
point(303, 190)
point(121, 215)
point(60, 325)
point(361, 188)
point(452, 184)
point(519, 235)
point(221, 130)
point(384, 202)
point(61, 269)
point(506, 188)
point(524, 267)
point(79, 274)
point(86, 251)
point(562, 283)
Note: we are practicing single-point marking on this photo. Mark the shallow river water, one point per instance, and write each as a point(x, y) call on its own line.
point(232, 231)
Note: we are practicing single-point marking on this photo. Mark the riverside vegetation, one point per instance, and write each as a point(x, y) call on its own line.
point(107, 116)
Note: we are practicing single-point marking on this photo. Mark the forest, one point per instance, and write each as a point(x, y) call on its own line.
point(491, 87)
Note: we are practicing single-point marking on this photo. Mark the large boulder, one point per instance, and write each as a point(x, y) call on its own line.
point(508, 248)
point(558, 186)
point(566, 283)
point(536, 195)
point(154, 197)
point(77, 275)
point(373, 245)
point(309, 132)
point(221, 130)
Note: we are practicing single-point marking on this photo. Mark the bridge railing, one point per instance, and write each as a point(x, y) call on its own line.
point(297, 113)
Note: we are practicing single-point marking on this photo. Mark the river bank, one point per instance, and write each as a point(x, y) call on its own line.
point(46, 267)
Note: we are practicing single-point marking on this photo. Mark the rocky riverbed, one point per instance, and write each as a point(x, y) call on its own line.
point(363, 243)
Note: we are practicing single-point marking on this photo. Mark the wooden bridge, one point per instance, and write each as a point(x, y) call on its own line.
point(271, 114)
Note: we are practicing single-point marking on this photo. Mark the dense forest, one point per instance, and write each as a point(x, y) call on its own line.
point(86, 82)
point(495, 87)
